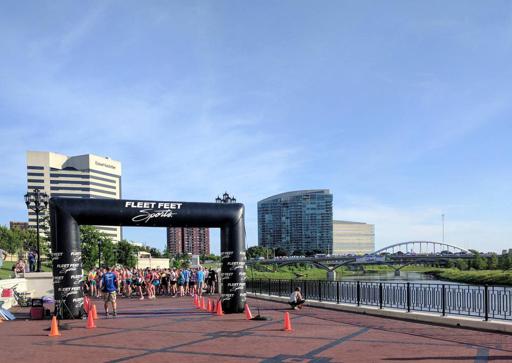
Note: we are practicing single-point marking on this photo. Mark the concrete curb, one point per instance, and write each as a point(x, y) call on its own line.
point(421, 317)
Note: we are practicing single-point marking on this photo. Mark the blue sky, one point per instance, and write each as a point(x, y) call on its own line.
point(402, 109)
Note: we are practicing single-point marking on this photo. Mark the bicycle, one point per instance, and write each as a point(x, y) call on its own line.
point(22, 298)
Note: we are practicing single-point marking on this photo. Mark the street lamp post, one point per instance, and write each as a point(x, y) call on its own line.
point(99, 253)
point(37, 201)
point(226, 198)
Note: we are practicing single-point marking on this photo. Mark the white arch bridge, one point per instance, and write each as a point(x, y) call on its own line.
point(422, 247)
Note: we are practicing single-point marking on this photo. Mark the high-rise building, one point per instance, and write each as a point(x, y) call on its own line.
point(82, 176)
point(353, 238)
point(296, 221)
point(188, 240)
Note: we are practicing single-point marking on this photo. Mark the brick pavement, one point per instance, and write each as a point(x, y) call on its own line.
point(169, 329)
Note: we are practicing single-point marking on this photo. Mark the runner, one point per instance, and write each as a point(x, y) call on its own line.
point(173, 278)
point(109, 285)
point(185, 273)
point(193, 282)
point(212, 281)
point(91, 280)
point(200, 281)
point(155, 281)
point(181, 283)
point(137, 283)
point(148, 283)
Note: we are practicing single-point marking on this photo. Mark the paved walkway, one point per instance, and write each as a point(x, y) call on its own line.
point(169, 329)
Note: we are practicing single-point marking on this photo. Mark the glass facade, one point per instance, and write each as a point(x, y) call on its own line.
point(300, 220)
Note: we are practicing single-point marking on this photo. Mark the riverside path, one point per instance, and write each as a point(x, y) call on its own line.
point(169, 329)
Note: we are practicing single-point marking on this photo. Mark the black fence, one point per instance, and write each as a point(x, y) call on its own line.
point(470, 300)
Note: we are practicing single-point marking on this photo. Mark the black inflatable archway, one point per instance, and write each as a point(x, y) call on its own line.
point(67, 214)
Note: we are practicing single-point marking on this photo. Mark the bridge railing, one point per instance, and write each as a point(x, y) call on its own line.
point(446, 299)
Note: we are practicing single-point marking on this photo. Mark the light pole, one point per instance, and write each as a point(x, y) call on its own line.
point(442, 218)
point(37, 201)
point(99, 253)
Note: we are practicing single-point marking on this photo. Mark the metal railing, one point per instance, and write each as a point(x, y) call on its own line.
point(446, 299)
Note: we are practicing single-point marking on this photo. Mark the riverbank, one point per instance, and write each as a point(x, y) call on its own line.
point(489, 277)
point(481, 277)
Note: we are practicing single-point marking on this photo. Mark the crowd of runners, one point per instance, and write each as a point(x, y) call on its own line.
point(150, 283)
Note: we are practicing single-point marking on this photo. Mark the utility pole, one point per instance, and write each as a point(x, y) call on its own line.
point(442, 218)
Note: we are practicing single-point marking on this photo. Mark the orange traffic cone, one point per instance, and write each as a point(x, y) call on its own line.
point(90, 320)
point(54, 331)
point(219, 308)
point(196, 300)
point(94, 312)
point(203, 304)
point(209, 305)
point(86, 303)
point(287, 322)
point(248, 314)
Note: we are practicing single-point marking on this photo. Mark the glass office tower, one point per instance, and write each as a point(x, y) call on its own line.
point(296, 221)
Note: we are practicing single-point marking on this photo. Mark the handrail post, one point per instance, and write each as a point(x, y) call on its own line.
point(380, 295)
point(337, 292)
point(486, 302)
point(279, 287)
point(358, 292)
point(319, 290)
point(291, 286)
point(269, 288)
point(443, 299)
point(408, 297)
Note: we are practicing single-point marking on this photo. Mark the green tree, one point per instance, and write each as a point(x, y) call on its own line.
point(126, 253)
point(492, 262)
point(281, 252)
point(478, 262)
point(258, 251)
point(90, 238)
point(461, 264)
point(10, 240)
point(155, 252)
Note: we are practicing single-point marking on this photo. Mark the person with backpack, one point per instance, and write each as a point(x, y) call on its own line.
point(109, 286)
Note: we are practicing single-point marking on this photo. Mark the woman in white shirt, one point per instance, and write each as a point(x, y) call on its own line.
point(296, 301)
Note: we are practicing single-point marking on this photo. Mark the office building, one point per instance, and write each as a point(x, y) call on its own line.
point(296, 221)
point(353, 238)
point(188, 240)
point(82, 176)
point(18, 225)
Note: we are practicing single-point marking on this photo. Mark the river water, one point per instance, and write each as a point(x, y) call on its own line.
point(405, 276)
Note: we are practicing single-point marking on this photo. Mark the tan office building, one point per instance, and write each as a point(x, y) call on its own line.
point(353, 238)
point(82, 176)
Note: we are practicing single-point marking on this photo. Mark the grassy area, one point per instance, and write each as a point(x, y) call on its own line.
point(6, 269)
point(490, 277)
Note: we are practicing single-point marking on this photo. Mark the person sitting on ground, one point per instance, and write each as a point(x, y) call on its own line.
point(109, 285)
point(19, 268)
point(296, 300)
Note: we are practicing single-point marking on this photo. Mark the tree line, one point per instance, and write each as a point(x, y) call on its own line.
point(20, 241)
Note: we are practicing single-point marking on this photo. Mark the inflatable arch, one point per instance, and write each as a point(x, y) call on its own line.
point(67, 214)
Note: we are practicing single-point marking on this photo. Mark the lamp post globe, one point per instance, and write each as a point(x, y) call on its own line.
point(38, 202)
point(226, 199)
